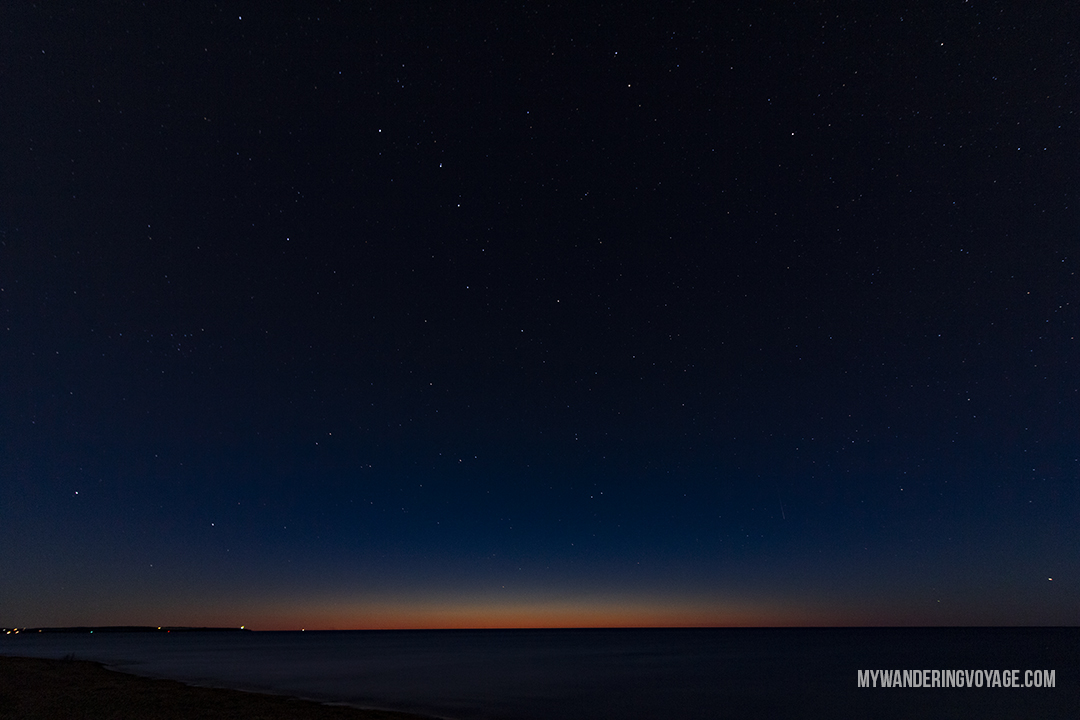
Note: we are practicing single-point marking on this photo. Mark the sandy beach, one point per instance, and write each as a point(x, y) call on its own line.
point(32, 689)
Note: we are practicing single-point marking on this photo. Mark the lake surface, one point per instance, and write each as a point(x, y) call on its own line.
point(633, 674)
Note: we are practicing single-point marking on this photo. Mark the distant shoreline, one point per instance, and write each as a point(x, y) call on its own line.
point(118, 629)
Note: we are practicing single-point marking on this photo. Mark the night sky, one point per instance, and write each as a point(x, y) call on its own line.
point(427, 315)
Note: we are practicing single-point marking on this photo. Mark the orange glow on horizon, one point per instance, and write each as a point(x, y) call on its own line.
point(339, 610)
point(411, 615)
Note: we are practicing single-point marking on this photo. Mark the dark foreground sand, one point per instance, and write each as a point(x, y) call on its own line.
point(36, 689)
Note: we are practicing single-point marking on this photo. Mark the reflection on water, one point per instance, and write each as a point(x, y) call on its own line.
point(597, 674)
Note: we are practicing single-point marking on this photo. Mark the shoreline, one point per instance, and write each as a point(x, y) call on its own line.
point(45, 688)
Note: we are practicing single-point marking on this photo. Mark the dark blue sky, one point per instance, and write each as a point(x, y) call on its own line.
point(428, 316)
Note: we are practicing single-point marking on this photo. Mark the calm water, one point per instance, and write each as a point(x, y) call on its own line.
point(599, 674)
